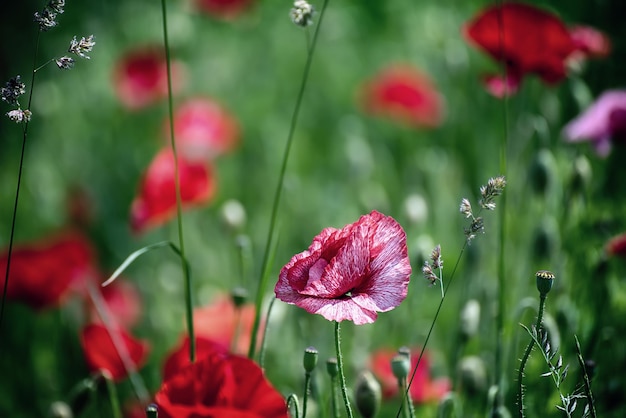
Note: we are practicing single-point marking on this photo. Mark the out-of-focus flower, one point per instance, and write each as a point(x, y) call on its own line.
point(220, 385)
point(405, 94)
point(423, 389)
point(302, 13)
point(179, 358)
point(603, 123)
point(101, 353)
point(140, 77)
point(156, 200)
point(220, 322)
point(590, 42)
point(617, 246)
point(350, 273)
point(123, 302)
point(203, 129)
point(44, 272)
point(527, 39)
point(223, 9)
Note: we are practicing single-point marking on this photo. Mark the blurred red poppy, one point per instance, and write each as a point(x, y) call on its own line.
point(123, 302)
point(219, 321)
point(44, 272)
point(590, 42)
point(203, 129)
point(525, 38)
point(350, 273)
point(140, 77)
point(223, 9)
point(423, 389)
point(101, 353)
point(156, 202)
point(220, 385)
point(617, 246)
point(178, 358)
point(403, 93)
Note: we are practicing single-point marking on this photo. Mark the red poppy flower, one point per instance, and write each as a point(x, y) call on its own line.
point(123, 302)
point(223, 9)
point(405, 94)
point(220, 322)
point(220, 385)
point(350, 273)
point(179, 358)
point(525, 38)
point(617, 246)
point(590, 42)
point(45, 271)
point(423, 389)
point(156, 203)
point(101, 353)
point(140, 77)
point(203, 129)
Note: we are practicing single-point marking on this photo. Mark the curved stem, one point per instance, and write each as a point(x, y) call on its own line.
point(279, 187)
point(520, 375)
point(292, 400)
point(179, 216)
point(342, 377)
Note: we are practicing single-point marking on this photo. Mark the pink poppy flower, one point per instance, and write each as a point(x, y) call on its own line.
point(350, 273)
point(178, 359)
point(424, 389)
point(101, 353)
point(220, 385)
point(529, 40)
point(617, 246)
point(403, 93)
point(156, 202)
point(43, 273)
point(590, 42)
point(219, 320)
point(140, 77)
point(203, 129)
point(223, 9)
point(123, 302)
point(603, 123)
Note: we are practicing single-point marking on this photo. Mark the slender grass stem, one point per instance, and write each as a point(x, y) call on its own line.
point(587, 381)
point(520, 375)
point(342, 377)
point(279, 187)
point(409, 411)
point(113, 399)
point(19, 182)
point(179, 215)
point(264, 338)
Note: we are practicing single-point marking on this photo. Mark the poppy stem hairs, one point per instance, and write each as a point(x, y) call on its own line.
point(342, 377)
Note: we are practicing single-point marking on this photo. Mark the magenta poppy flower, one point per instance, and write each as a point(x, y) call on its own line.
point(350, 273)
point(405, 94)
point(203, 129)
point(43, 273)
point(140, 77)
point(527, 39)
point(603, 123)
point(220, 385)
point(101, 353)
point(156, 201)
point(223, 9)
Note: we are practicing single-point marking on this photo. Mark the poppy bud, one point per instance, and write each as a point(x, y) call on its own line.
point(581, 175)
point(470, 318)
point(310, 359)
point(545, 240)
point(400, 366)
point(367, 395)
point(239, 296)
point(545, 279)
point(233, 214)
point(473, 375)
point(332, 368)
point(541, 172)
point(60, 409)
point(152, 411)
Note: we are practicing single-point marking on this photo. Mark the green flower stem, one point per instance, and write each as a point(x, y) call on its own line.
point(520, 375)
point(18, 184)
point(264, 339)
point(279, 187)
point(305, 396)
point(292, 401)
point(588, 393)
point(334, 401)
point(342, 377)
point(409, 411)
point(115, 403)
point(179, 214)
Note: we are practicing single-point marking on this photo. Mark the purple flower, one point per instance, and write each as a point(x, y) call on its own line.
point(350, 273)
point(603, 123)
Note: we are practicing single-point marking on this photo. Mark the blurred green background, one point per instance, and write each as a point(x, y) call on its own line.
point(344, 163)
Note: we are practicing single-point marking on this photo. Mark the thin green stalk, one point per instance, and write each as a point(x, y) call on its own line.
point(307, 389)
point(520, 375)
point(179, 215)
point(342, 377)
point(292, 401)
point(409, 411)
point(279, 187)
point(115, 403)
point(19, 182)
point(332, 368)
point(588, 393)
point(264, 339)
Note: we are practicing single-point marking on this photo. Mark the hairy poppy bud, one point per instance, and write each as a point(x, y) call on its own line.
point(545, 279)
point(331, 367)
point(310, 359)
point(367, 395)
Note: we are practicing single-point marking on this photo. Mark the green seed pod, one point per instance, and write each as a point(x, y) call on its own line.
point(368, 395)
point(541, 171)
point(309, 361)
point(545, 279)
point(332, 368)
point(400, 366)
point(239, 296)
